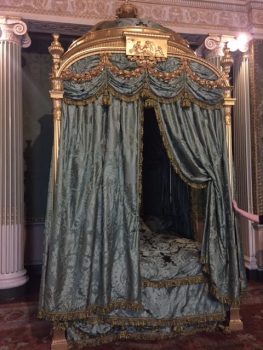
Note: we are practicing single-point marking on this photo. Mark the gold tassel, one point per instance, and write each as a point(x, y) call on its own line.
point(106, 98)
point(185, 100)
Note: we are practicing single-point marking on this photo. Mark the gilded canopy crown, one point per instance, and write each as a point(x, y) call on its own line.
point(127, 10)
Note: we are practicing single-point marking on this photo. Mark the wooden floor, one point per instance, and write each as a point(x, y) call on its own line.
point(21, 330)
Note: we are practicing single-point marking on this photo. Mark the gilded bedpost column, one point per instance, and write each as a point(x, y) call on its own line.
point(56, 94)
point(229, 102)
point(235, 322)
point(13, 36)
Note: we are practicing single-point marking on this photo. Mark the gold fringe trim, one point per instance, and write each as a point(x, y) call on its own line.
point(65, 317)
point(170, 152)
point(89, 311)
point(144, 336)
point(86, 101)
point(223, 298)
point(139, 178)
point(174, 282)
point(143, 322)
point(148, 96)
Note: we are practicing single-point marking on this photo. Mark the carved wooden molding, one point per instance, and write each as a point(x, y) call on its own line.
point(183, 16)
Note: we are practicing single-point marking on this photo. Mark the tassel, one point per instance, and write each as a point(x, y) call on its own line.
point(185, 100)
point(106, 98)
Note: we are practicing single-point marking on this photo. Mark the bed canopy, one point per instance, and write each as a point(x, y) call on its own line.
point(94, 269)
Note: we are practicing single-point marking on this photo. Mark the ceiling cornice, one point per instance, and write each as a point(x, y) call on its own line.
point(184, 16)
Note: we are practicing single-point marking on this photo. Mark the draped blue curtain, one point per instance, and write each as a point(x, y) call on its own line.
point(93, 223)
point(196, 139)
point(91, 257)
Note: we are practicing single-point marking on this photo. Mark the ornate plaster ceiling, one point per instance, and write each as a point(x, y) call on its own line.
point(183, 16)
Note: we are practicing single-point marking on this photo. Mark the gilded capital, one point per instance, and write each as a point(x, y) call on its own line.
point(14, 30)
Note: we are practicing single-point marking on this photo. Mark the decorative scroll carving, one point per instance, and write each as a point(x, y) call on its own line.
point(211, 43)
point(14, 30)
point(217, 43)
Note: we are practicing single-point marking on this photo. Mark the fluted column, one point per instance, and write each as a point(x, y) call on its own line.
point(242, 155)
point(12, 38)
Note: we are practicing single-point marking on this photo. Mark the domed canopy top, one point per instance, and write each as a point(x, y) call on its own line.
point(113, 35)
point(138, 22)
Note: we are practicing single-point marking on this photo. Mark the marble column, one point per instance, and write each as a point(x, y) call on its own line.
point(243, 155)
point(13, 36)
point(241, 135)
point(213, 50)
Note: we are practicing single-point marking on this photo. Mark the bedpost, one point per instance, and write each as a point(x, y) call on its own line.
point(56, 94)
point(59, 341)
point(235, 323)
point(229, 102)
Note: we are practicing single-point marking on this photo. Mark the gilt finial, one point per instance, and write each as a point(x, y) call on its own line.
point(127, 10)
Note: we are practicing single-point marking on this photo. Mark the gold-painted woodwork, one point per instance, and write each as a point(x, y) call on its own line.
point(235, 322)
point(56, 94)
point(146, 49)
point(113, 40)
point(59, 341)
point(127, 10)
point(226, 61)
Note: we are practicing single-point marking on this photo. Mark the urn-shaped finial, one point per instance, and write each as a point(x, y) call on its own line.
point(127, 10)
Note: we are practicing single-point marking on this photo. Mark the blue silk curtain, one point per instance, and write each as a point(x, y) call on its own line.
point(93, 222)
point(195, 137)
point(91, 258)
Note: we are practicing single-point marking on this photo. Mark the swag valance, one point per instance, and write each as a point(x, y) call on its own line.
point(171, 80)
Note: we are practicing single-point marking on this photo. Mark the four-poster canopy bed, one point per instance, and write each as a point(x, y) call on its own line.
point(112, 267)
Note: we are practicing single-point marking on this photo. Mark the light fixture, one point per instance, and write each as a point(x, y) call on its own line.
point(239, 43)
point(232, 45)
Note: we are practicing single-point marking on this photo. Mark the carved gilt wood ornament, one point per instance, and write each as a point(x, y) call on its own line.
point(146, 50)
point(143, 44)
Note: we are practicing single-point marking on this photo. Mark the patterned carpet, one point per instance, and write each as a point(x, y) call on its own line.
point(20, 329)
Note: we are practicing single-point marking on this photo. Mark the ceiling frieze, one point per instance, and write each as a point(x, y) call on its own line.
point(185, 16)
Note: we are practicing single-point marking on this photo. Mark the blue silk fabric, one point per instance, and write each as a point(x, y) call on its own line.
point(92, 263)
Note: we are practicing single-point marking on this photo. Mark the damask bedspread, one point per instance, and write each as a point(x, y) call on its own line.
point(166, 256)
point(175, 295)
